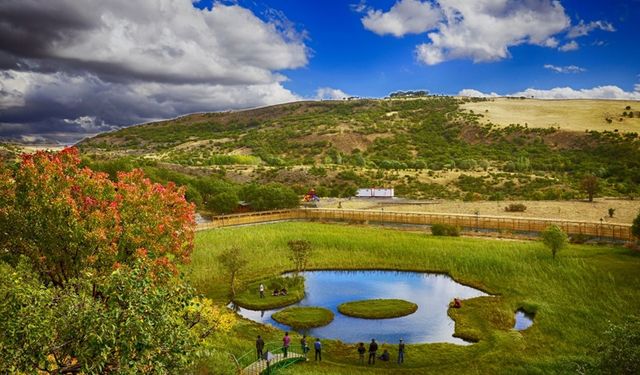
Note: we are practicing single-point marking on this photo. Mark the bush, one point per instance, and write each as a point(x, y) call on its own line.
point(223, 203)
point(619, 353)
point(578, 238)
point(445, 230)
point(516, 207)
point(269, 197)
point(635, 227)
point(554, 238)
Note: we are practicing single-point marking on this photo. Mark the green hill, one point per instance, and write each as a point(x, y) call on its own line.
point(424, 147)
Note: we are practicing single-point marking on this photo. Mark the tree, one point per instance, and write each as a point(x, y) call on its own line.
point(635, 227)
point(89, 281)
point(223, 203)
point(554, 238)
point(65, 218)
point(300, 253)
point(269, 196)
point(590, 185)
point(233, 261)
point(140, 322)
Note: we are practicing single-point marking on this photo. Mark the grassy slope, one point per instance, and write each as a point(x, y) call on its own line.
point(575, 295)
point(378, 308)
point(364, 143)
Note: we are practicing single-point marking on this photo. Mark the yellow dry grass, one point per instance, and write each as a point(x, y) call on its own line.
point(626, 210)
point(570, 115)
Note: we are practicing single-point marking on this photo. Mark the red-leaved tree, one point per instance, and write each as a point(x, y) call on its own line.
point(68, 219)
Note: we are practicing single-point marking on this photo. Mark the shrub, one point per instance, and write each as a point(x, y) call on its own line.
point(516, 207)
point(578, 238)
point(619, 351)
point(223, 203)
point(635, 227)
point(554, 238)
point(445, 230)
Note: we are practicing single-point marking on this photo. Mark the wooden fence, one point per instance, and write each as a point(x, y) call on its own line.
point(469, 222)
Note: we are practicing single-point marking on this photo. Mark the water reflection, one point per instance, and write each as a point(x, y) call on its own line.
point(523, 320)
point(431, 292)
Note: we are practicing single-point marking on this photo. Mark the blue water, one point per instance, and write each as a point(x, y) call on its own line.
point(429, 324)
point(523, 320)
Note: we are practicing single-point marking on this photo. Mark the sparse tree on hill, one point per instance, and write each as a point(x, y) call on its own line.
point(554, 238)
point(233, 261)
point(590, 185)
point(300, 253)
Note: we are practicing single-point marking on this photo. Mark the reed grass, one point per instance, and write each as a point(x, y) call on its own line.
point(574, 295)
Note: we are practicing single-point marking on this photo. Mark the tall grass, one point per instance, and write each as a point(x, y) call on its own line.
point(575, 295)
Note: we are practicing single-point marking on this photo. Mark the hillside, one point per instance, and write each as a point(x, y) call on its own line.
point(424, 147)
point(569, 115)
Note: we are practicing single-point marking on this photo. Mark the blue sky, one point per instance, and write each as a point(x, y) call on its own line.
point(356, 60)
point(72, 69)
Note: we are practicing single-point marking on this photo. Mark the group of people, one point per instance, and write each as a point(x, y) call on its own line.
point(286, 343)
point(317, 346)
point(373, 350)
point(276, 292)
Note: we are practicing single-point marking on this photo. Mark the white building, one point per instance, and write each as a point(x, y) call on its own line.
point(374, 193)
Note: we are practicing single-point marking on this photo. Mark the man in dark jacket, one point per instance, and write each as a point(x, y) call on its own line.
point(373, 348)
point(259, 346)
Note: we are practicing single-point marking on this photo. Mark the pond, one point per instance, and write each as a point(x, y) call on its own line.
point(523, 320)
point(429, 324)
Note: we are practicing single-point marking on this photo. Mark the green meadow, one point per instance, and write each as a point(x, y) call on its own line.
point(574, 296)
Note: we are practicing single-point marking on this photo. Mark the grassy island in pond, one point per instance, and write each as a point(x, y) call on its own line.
point(249, 298)
point(304, 317)
point(378, 308)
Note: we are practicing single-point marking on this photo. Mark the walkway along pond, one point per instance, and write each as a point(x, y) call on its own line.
point(429, 324)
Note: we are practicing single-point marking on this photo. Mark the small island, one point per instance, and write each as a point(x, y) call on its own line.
point(378, 308)
point(304, 317)
point(250, 299)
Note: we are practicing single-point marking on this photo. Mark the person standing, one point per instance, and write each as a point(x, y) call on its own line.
point(361, 351)
point(318, 350)
point(373, 348)
point(261, 290)
point(259, 346)
point(401, 352)
point(305, 347)
point(286, 340)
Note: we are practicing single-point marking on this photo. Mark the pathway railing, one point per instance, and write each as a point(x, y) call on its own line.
point(249, 364)
point(469, 222)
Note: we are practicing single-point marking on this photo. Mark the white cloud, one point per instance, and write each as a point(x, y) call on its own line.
point(571, 46)
point(328, 93)
point(582, 29)
point(404, 17)
point(599, 92)
point(565, 69)
point(484, 30)
point(103, 64)
point(480, 30)
point(476, 94)
point(167, 39)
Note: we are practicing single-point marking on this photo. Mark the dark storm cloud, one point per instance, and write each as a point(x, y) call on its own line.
point(32, 28)
point(69, 68)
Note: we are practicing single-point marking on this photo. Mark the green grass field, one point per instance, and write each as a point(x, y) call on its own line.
point(574, 296)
